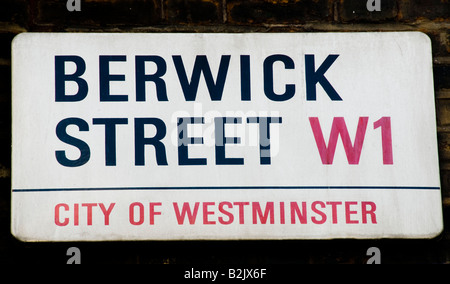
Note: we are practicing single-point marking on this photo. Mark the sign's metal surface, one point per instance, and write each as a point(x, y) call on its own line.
point(224, 136)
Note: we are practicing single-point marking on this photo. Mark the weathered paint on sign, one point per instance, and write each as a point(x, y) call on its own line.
point(224, 136)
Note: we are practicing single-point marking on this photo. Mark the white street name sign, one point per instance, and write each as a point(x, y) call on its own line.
point(223, 136)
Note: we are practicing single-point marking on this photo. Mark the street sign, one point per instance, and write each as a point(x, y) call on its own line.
point(223, 136)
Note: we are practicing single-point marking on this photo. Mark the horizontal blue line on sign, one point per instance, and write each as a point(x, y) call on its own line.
point(224, 187)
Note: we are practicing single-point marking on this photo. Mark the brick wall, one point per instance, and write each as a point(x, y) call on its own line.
point(429, 16)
